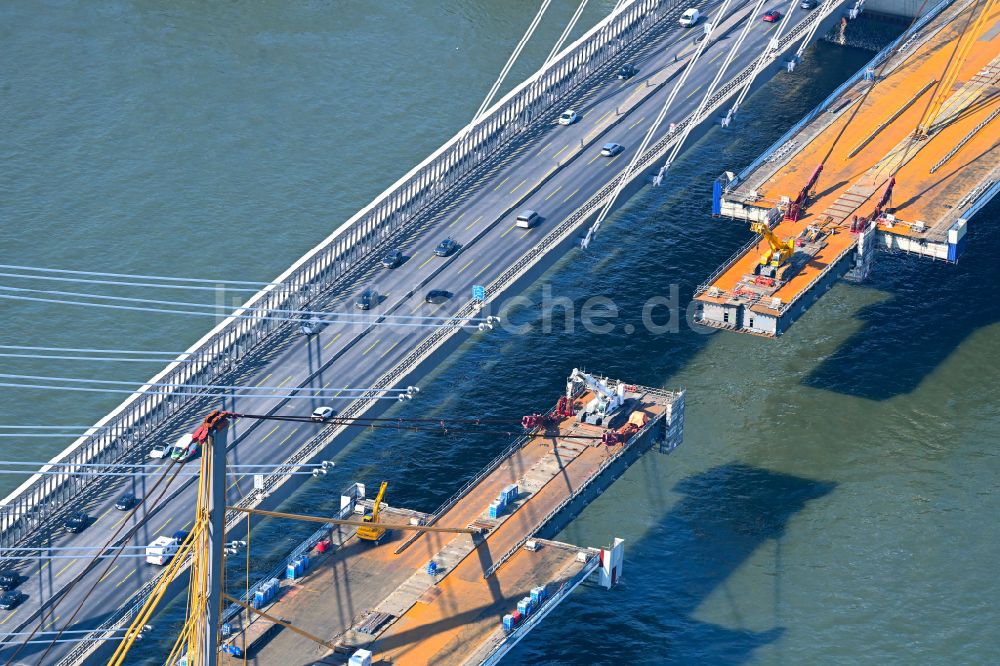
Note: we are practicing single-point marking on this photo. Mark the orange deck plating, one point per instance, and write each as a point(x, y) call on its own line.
point(918, 195)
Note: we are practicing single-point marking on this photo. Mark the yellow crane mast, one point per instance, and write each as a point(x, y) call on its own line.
point(778, 251)
point(372, 532)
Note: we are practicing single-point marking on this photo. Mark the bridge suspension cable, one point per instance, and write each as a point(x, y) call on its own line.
point(510, 61)
point(229, 387)
point(469, 323)
point(119, 283)
point(569, 28)
point(623, 178)
point(97, 359)
point(138, 276)
point(696, 116)
point(761, 61)
point(94, 351)
point(330, 317)
point(51, 387)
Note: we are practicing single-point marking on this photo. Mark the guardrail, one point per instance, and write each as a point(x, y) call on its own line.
point(123, 431)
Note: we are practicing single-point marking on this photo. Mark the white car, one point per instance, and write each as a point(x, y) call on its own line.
point(321, 414)
point(689, 18)
point(568, 117)
point(158, 451)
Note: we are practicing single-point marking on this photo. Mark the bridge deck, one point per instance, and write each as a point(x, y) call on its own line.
point(859, 158)
point(443, 619)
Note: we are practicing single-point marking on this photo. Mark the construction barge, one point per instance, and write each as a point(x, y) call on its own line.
point(462, 598)
point(876, 165)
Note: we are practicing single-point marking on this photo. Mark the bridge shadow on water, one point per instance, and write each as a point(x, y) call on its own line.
point(726, 514)
point(932, 309)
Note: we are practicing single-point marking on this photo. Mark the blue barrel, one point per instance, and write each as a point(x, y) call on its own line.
point(494, 510)
point(227, 629)
point(291, 573)
point(259, 599)
point(432, 568)
point(305, 562)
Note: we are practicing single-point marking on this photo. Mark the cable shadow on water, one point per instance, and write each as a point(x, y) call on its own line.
point(725, 515)
point(933, 309)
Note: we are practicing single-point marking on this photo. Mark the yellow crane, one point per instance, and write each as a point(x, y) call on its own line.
point(778, 251)
point(372, 532)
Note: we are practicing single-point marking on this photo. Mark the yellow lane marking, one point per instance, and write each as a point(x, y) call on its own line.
point(560, 151)
point(59, 573)
point(606, 114)
point(44, 566)
point(614, 158)
point(542, 179)
point(453, 222)
point(53, 621)
point(518, 186)
point(694, 92)
point(341, 391)
point(288, 437)
point(595, 158)
point(505, 233)
point(716, 57)
point(98, 519)
point(473, 223)
point(165, 523)
point(9, 615)
point(545, 147)
point(110, 571)
point(127, 576)
point(188, 523)
point(270, 433)
point(120, 521)
point(426, 262)
point(235, 483)
point(571, 196)
point(382, 355)
point(501, 183)
point(265, 379)
point(284, 381)
point(466, 266)
point(327, 384)
point(637, 122)
point(553, 192)
point(372, 347)
point(481, 272)
point(327, 345)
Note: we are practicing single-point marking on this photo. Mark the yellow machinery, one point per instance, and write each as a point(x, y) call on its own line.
point(778, 251)
point(371, 531)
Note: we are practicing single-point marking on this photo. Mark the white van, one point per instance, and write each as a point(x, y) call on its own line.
point(689, 18)
point(526, 219)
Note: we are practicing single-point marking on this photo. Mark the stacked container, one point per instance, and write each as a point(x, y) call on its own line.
point(538, 595)
point(508, 623)
point(509, 493)
point(495, 510)
point(524, 606)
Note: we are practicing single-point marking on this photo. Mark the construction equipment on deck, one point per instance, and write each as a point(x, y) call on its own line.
point(635, 423)
point(371, 531)
point(604, 405)
point(795, 208)
point(778, 251)
point(357, 523)
point(859, 225)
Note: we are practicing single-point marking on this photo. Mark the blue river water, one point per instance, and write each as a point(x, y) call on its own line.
point(835, 499)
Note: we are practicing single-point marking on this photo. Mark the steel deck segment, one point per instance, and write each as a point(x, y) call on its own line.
point(441, 620)
point(851, 185)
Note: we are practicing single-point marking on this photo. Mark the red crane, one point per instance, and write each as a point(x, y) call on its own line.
point(796, 207)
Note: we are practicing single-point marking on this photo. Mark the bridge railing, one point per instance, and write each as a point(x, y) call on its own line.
point(126, 429)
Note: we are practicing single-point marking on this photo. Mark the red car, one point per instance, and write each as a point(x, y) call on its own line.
point(772, 16)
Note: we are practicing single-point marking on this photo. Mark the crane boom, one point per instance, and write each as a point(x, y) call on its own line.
point(357, 523)
point(778, 251)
